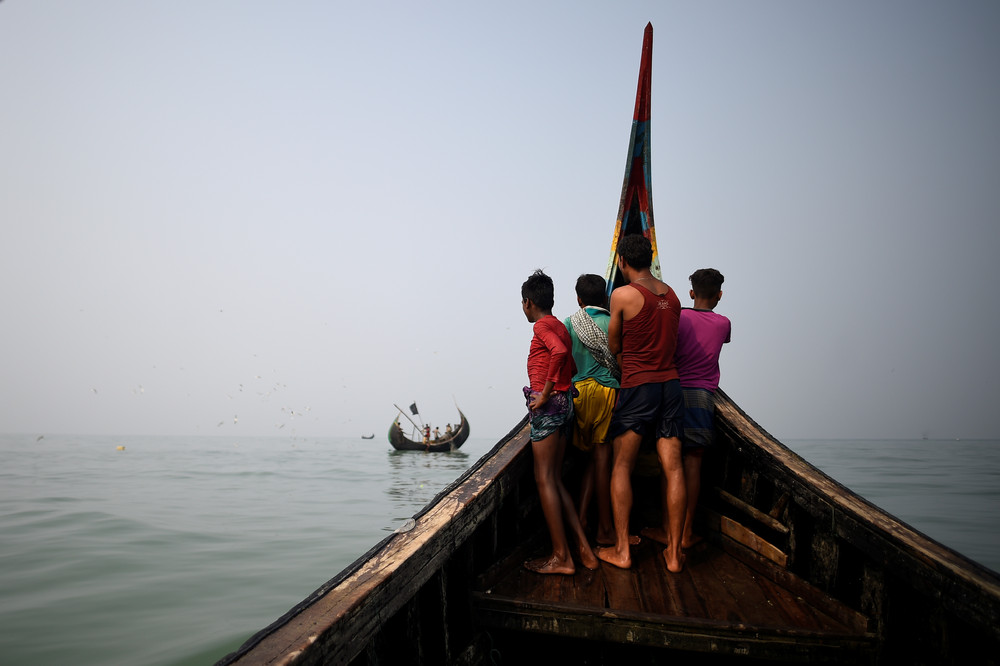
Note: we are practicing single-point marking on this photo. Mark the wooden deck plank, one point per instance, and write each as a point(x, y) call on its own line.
point(620, 588)
point(715, 578)
point(763, 603)
point(654, 594)
point(720, 639)
point(716, 601)
point(790, 589)
point(685, 600)
point(799, 612)
point(586, 588)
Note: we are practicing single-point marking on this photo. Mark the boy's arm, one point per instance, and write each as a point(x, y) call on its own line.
point(559, 355)
point(615, 324)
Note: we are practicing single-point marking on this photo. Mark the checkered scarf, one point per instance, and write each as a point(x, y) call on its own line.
point(595, 340)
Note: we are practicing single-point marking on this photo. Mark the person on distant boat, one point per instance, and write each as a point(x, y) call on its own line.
point(549, 397)
point(448, 431)
point(427, 435)
point(596, 379)
point(643, 331)
point(437, 434)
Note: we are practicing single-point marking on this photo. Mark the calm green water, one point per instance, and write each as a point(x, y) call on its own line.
point(176, 550)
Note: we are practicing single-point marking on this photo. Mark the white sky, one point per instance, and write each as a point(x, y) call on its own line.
point(223, 217)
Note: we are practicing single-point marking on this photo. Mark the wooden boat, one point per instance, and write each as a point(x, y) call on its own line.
point(403, 443)
point(371, 436)
point(794, 568)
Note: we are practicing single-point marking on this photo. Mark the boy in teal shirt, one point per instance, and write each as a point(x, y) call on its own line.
point(596, 380)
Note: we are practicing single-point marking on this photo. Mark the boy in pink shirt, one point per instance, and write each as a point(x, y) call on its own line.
point(700, 336)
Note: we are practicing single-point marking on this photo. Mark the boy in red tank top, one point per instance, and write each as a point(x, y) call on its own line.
point(643, 331)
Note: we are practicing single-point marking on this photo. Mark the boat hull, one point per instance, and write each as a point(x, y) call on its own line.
point(423, 596)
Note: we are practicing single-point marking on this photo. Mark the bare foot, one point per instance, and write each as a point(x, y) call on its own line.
point(612, 556)
point(605, 540)
point(690, 540)
point(657, 534)
point(587, 557)
point(550, 565)
point(674, 564)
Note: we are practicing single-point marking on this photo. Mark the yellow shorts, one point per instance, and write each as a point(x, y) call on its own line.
point(593, 409)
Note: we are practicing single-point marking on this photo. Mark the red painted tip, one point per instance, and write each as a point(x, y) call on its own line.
point(641, 112)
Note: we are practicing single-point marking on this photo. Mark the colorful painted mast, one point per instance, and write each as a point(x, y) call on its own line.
point(635, 210)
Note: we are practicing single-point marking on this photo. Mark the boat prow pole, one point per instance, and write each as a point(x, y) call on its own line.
point(635, 208)
point(407, 417)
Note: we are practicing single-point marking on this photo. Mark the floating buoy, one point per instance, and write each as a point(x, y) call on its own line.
point(121, 448)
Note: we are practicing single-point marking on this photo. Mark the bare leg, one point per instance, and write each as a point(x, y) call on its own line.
point(587, 556)
point(546, 457)
point(669, 450)
point(586, 491)
point(626, 448)
point(692, 480)
point(660, 533)
point(602, 492)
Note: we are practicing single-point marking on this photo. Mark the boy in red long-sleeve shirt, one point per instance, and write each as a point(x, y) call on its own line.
point(550, 404)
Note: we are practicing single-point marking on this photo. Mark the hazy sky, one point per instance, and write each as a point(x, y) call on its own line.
point(223, 217)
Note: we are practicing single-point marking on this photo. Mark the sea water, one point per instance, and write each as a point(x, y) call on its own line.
point(947, 489)
point(174, 550)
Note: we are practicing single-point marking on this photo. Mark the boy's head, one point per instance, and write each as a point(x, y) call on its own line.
point(636, 250)
point(706, 285)
point(590, 290)
point(539, 291)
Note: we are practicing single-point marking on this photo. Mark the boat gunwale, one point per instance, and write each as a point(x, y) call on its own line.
point(515, 443)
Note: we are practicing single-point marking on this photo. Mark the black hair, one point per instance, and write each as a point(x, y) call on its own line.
point(706, 282)
point(591, 289)
point(636, 250)
point(539, 289)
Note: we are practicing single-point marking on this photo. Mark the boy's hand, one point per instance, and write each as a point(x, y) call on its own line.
point(537, 400)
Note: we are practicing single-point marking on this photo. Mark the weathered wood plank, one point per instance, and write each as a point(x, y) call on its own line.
point(689, 634)
point(681, 591)
point(732, 592)
point(621, 590)
point(797, 587)
point(745, 537)
point(654, 596)
point(751, 511)
point(585, 588)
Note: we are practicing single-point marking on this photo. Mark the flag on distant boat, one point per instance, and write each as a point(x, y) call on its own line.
point(413, 408)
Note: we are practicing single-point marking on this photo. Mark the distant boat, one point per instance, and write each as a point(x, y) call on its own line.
point(371, 436)
point(401, 442)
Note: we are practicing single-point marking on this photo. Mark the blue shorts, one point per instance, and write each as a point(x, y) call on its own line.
point(699, 410)
point(656, 408)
